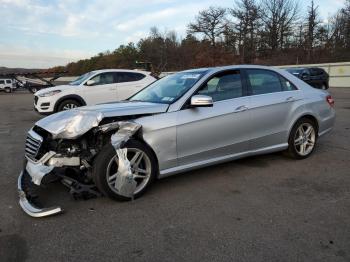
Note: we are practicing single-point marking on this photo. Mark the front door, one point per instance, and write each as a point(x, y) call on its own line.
point(103, 90)
point(207, 133)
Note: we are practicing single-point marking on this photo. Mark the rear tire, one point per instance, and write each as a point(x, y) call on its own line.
point(302, 139)
point(67, 105)
point(33, 90)
point(106, 165)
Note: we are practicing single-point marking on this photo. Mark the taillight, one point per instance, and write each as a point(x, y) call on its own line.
point(330, 100)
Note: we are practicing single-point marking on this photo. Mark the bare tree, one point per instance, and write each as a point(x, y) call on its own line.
point(313, 22)
point(279, 18)
point(210, 22)
point(247, 15)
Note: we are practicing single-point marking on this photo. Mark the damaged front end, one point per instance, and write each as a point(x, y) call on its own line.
point(67, 155)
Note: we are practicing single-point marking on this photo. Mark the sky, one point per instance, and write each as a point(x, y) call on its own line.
point(42, 34)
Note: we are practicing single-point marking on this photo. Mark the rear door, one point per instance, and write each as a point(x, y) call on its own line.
point(205, 133)
point(103, 90)
point(129, 83)
point(273, 100)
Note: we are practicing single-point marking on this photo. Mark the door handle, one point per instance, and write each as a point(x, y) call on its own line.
point(240, 109)
point(290, 99)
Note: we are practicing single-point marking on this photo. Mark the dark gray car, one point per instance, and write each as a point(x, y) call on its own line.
point(314, 76)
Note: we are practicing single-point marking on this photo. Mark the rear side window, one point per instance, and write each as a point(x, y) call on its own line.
point(2, 82)
point(129, 77)
point(319, 71)
point(265, 82)
point(313, 71)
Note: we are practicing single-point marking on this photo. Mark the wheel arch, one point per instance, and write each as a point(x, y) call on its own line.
point(307, 116)
point(139, 137)
point(77, 98)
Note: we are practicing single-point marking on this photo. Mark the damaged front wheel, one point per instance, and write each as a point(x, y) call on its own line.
point(142, 165)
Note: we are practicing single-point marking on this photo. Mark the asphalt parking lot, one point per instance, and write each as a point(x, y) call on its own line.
point(265, 208)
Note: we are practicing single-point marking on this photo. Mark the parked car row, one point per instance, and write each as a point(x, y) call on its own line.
point(181, 122)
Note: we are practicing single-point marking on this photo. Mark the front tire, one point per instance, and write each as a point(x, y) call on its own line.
point(302, 139)
point(143, 166)
point(67, 105)
point(8, 90)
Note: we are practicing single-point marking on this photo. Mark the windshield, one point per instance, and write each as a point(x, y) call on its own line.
point(170, 88)
point(81, 79)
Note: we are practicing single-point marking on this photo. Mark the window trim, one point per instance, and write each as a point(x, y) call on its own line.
point(245, 92)
point(250, 89)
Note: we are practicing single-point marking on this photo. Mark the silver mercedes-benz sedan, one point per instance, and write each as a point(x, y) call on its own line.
point(184, 121)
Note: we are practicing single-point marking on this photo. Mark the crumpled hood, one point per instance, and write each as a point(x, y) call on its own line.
point(73, 123)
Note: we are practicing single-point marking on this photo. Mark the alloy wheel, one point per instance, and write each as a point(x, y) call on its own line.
point(69, 106)
point(304, 140)
point(140, 168)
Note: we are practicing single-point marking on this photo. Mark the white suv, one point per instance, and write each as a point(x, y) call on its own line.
point(7, 85)
point(101, 86)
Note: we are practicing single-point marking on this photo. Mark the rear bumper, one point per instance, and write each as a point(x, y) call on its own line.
point(326, 122)
point(27, 205)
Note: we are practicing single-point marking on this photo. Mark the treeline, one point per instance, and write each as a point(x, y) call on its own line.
point(272, 32)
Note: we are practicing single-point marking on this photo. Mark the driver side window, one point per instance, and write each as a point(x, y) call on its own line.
point(223, 86)
point(103, 79)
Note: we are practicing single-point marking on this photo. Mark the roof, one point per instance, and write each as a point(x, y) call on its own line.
point(120, 70)
point(220, 68)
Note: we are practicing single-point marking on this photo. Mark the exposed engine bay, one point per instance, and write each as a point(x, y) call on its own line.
point(67, 153)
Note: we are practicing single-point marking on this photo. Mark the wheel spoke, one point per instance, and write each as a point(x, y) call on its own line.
point(298, 141)
point(138, 176)
point(310, 142)
point(302, 148)
point(112, 177)
point(140, 170)
point(301, 131)
point(135, 161)
point(308, 131)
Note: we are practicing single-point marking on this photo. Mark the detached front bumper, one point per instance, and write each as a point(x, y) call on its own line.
point(26, 202)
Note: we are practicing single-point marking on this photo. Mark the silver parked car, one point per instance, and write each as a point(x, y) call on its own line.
point(184, 121)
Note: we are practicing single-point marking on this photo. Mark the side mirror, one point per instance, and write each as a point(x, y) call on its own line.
point(90, 82)
point(201, 101)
